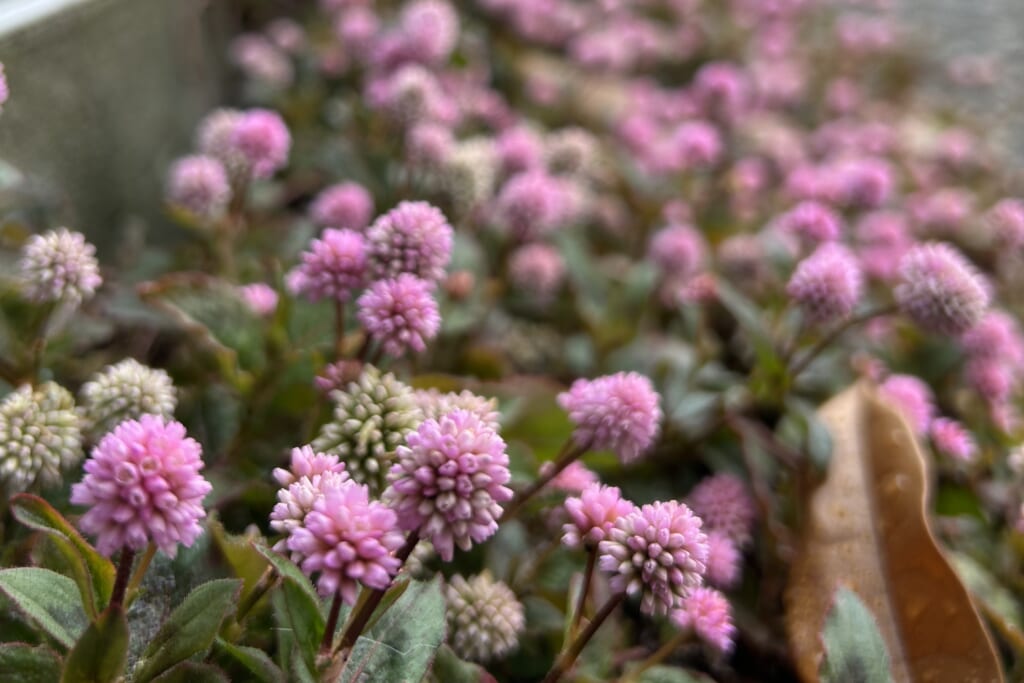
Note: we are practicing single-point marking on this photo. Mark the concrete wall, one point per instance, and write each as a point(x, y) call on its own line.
point(103, 94)
point(946, 29)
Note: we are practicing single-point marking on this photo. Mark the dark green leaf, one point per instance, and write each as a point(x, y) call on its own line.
point(99, 655)
point(402, 645)
point(448, 668)
point(254, 661)
point(302, 615)
point(190, 629)
point(50, 599)
point(854, 649)
point(287, 568)
point(192, 672)
point(246, 562)
point(21, 663)
point(93, 573)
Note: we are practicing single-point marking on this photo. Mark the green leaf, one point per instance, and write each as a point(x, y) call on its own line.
point(50, 599)
point(286, 568)
point(93, 573)
point(191, 628)
point(750, 319)
point(854, 649)
point(100, 654)
point(304, 617)
point(192, 672)
point(402, 645)
point(246, 562)
point(21, 663)
point(256, 662)
point(448, 668)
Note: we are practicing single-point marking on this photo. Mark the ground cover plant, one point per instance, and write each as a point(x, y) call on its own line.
point(531, 340)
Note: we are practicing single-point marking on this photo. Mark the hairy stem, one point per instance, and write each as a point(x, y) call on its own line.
point(581, 602)
point(332, 624)
point(568, 658)
point(124, 570)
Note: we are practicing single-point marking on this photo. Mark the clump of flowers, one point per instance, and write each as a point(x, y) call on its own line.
point(485, 617)
point(348, 539)
point(592, 515)
point(126, 390)
point(951, 439)
point(656, 552)
point(708, 613)
point(413, 238)
point(449, 481)
point(373, 414)
point(724, 503)
point(913, 398)
point(260, 297)
point(537, 269)
point(261, 140)
point(199, 185)
point(40, 436)
point(309, 475)
point(400, 314)
point(143, 484)
point(334, 267)
point(827, 284)
point(724, 564)
point(940, 290)
point(619, 412)
point(345, 205)
point(59, 266)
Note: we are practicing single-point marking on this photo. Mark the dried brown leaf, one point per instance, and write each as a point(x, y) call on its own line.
point(867, 530)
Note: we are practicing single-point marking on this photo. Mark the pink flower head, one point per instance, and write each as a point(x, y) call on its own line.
point(262, 60)
point(952, 439)
point(573, 479)
point(537, 268)
point(260, 298)
point(693, 144)
point(400, 314)
point(531, 204)
point(617, 412)
point(261, 138)
point(913, 398)
point(722, 88)
point(679, 251)
point(214, 137)
point(1006, 219)
point(429, 30)
point(142, 484)
point(357, 27)
point(724, 561)
point(199, 185)
point(862, 182)
point(724, 503)
point(658, 552)
point(941, 290)
point(305, 462)
point(349, 540)
point(827, 284)
point(413, 237)
point(592, 515)
point(519, 149)
point(409, 95)
point(428, 144)
point(993, 379)
point(309, 476)
point(996, 337)
point(945, 210)
point(333, 267)
point(345, 205)
point(709, 614)
point(882, 238)
point(449, 481)
point(812, 222)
